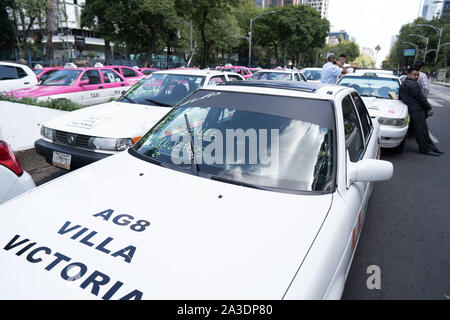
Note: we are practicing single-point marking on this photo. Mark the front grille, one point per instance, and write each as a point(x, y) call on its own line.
point(72, 139)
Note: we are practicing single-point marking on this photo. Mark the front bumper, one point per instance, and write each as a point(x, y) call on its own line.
point(80, 157)
point(392, 137)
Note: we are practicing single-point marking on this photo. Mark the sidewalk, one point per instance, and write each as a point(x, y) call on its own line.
point(441, 83)
point(19, 123)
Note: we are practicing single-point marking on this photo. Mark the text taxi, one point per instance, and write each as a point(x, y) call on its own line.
point(86, 86)
point(227, 197)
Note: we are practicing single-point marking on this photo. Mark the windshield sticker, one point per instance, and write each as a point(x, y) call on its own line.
point(88, 122)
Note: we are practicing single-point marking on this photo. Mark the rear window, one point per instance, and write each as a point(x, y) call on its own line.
point(8, 73)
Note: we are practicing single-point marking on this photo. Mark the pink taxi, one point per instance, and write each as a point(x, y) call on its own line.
point(86, 86)
point(132, 75)
point(243, 71)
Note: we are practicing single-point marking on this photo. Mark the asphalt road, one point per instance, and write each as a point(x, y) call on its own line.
point(407, 228)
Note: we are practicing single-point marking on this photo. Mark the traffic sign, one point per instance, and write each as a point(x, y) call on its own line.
point(409, 52)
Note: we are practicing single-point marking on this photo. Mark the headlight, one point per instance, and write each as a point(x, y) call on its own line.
point(47, 133)
point(392, 122)
point(111, 144)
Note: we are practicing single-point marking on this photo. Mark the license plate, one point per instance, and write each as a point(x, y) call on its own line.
point(61, 160)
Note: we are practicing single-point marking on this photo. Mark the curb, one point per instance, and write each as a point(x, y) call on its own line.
point(441, 83)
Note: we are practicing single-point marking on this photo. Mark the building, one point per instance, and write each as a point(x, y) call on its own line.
point(319, 5)
point(333, 37)
point(431, 8)
point(446, 7)
point(69, 27)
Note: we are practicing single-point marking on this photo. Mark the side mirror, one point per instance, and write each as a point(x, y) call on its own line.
point(369, 170)
point(84, 83)
point(123, 92)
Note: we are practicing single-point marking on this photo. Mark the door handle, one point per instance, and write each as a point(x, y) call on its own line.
point(122, 85)
point(101, 87)
point(26, 83)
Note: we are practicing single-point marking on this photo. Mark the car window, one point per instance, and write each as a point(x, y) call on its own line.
point(246, 73)
point(62, 78)
point(93, 76)
point(297, 77)
point(236, 132)
point(313, 75)
point(234, 78)
point(353, 137)
point(110, 76)
point(302, 76)
point(373, 86)
point(168, 89)
point(366, 122)
point(46, 75)
point(21, 73)
point(216, 80)
point(129, 73)
point(117, 70)
point(8, 73)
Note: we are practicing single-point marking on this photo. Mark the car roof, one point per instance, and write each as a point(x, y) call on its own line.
point(283, 88)
point(278, 70)
point(13, 64)
point(193, 72)
point(371, 74)
point(318, 69)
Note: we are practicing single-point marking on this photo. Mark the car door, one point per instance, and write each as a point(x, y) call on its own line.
point(92, 92)
point(359, 145)
point(113, 84)
point(12, 78)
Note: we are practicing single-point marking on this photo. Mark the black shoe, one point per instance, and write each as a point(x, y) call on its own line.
point(438, 151)
point(431, 153)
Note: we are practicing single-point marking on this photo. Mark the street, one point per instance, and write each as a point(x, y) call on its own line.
point(406, 232)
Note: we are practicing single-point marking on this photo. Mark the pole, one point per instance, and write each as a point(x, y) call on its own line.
point(438, 47)
point(250, 44)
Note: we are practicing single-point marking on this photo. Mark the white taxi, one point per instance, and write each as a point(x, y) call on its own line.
point(280, 74)
point(83, 136)
point(249, 191)
point(379, 91)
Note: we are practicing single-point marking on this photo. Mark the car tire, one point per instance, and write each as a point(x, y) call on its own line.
point(399, 149)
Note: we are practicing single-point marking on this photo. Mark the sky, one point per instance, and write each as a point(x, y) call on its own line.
point(372, 22)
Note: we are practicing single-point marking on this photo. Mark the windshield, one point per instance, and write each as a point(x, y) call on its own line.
point(278, 76)
point(62, 78)
point(385, 88)
point(243, 139)
point(312, 74)
point(167, 89)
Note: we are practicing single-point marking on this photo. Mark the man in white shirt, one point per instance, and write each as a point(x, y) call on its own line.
point(332, 70)
point(423, 80)
point(343, 60)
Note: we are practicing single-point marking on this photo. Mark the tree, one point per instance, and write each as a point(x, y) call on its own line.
point(364, 61)
point(30, 12)
point(377, 49)
point(214, 21)
point(51, 27)
point(7, 29)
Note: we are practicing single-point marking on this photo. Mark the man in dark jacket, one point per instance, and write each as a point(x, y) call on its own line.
point(419, 109)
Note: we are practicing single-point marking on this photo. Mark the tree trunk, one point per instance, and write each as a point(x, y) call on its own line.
point(204, 39)
point(152, 42)
point(51, 27)
point(108, 52)
point(275, 47)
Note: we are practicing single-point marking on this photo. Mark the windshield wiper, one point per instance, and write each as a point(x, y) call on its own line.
point(236, 182)
point(129, 99)
point(194, 164)
point(159, 103)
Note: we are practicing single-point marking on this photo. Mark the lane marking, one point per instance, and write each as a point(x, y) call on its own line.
point(435, 103)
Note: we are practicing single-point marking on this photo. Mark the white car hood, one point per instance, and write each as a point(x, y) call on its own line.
point(385, 108)
point(247, 244)
point(112, 120)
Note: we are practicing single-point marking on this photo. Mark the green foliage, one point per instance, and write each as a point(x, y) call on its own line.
point(364, 61)
point(7, 29)
point(347, 47)
point(58, 104)
point(396, 55)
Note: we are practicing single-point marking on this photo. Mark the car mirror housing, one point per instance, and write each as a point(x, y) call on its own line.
point(369, 170)
point(84, 83)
